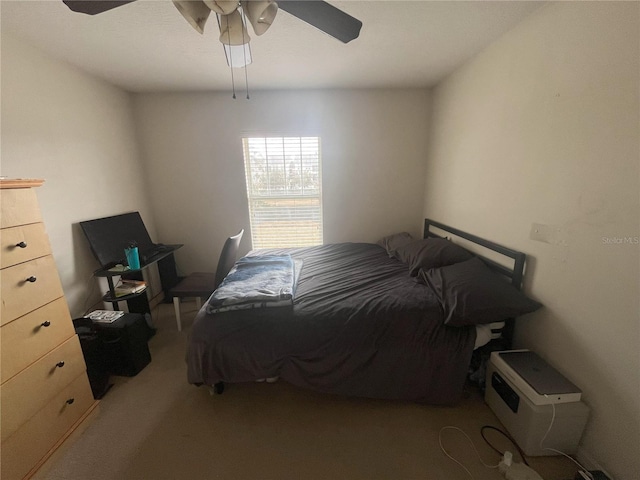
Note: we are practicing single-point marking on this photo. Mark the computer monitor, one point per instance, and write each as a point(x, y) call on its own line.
point(109, 236)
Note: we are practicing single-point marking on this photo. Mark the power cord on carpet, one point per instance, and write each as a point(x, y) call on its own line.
point(506, 466)
point(507, 436)
point(509, 469)
point(449, 427)
point(553, 418)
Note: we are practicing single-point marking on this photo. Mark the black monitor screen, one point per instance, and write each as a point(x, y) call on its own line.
point(109, 236)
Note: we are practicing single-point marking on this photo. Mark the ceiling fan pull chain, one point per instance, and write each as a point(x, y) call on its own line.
point(246, 81)
point(244, 52)
point(233, 83)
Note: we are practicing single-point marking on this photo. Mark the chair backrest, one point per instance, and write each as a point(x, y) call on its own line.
point(228, 257)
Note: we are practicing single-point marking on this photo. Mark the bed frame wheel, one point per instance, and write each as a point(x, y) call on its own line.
point(217, 389)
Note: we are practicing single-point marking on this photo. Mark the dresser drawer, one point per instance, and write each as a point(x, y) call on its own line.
point(30, 390)
point(18, 206)
point(23, 243)
point(20, 296)
point(28, 338)
point(27, 446)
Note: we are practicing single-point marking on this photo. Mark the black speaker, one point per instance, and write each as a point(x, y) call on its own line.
point(124, 344)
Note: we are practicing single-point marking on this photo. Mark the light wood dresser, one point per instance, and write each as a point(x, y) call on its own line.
point(44, 390)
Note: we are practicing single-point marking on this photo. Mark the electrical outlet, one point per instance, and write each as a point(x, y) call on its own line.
point(552, 234)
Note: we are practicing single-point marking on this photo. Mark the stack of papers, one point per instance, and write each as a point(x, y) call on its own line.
point(119, 268)
point(128, 287)
point(105, 316)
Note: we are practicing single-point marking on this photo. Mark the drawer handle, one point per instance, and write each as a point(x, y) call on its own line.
point(31, 279)
point(21, 245)
point(70, 401)
point(60, 364)
point(46, 323)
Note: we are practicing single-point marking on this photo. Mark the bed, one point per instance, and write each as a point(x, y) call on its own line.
point(399, 319)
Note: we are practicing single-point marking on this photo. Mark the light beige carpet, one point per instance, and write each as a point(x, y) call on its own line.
point(157, 426)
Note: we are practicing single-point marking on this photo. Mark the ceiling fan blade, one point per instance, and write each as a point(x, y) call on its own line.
point(325, 17)
point(93, 7)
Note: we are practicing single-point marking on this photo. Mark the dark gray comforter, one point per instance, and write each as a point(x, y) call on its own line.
point(359, 325)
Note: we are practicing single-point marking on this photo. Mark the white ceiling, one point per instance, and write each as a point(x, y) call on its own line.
point(148, 46)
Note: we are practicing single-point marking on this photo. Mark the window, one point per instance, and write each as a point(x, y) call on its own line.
point(284, 189)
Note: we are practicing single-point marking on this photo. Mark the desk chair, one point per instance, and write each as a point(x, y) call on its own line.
point(202, 284)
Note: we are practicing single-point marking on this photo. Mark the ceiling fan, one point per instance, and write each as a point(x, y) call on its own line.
point(233, 16)
point(260, 14)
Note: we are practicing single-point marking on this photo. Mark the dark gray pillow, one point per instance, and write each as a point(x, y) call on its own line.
point(392, 242)
point(431, 253)
point(471, 294)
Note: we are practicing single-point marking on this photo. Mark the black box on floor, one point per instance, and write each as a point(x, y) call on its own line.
point(124, 344)
point(595, 474)
point(94, 357)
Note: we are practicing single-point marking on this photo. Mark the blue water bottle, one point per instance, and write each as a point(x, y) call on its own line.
point(133, 258)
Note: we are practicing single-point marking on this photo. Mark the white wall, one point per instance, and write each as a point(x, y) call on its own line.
point(77, 133)
point(543, 127)
point(373, 149)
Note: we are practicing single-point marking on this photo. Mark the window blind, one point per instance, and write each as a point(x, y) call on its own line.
point(284, 189)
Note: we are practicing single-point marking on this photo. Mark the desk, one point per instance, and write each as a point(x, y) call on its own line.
point(138, 302)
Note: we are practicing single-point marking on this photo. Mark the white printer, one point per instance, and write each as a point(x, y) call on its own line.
point(525, 392)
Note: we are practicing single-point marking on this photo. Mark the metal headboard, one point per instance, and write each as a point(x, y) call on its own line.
point(515, 274)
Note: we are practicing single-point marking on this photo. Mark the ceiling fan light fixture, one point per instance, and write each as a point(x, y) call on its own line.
point(260, 14)
point(238, 56)
point(222, 7)
point(233, 30)
point(196, 13)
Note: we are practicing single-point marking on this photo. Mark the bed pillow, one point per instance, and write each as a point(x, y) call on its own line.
point(471, 294)
point(392, 242)
point(431, 253)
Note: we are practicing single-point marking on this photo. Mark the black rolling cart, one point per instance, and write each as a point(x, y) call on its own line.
point(138, 302)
